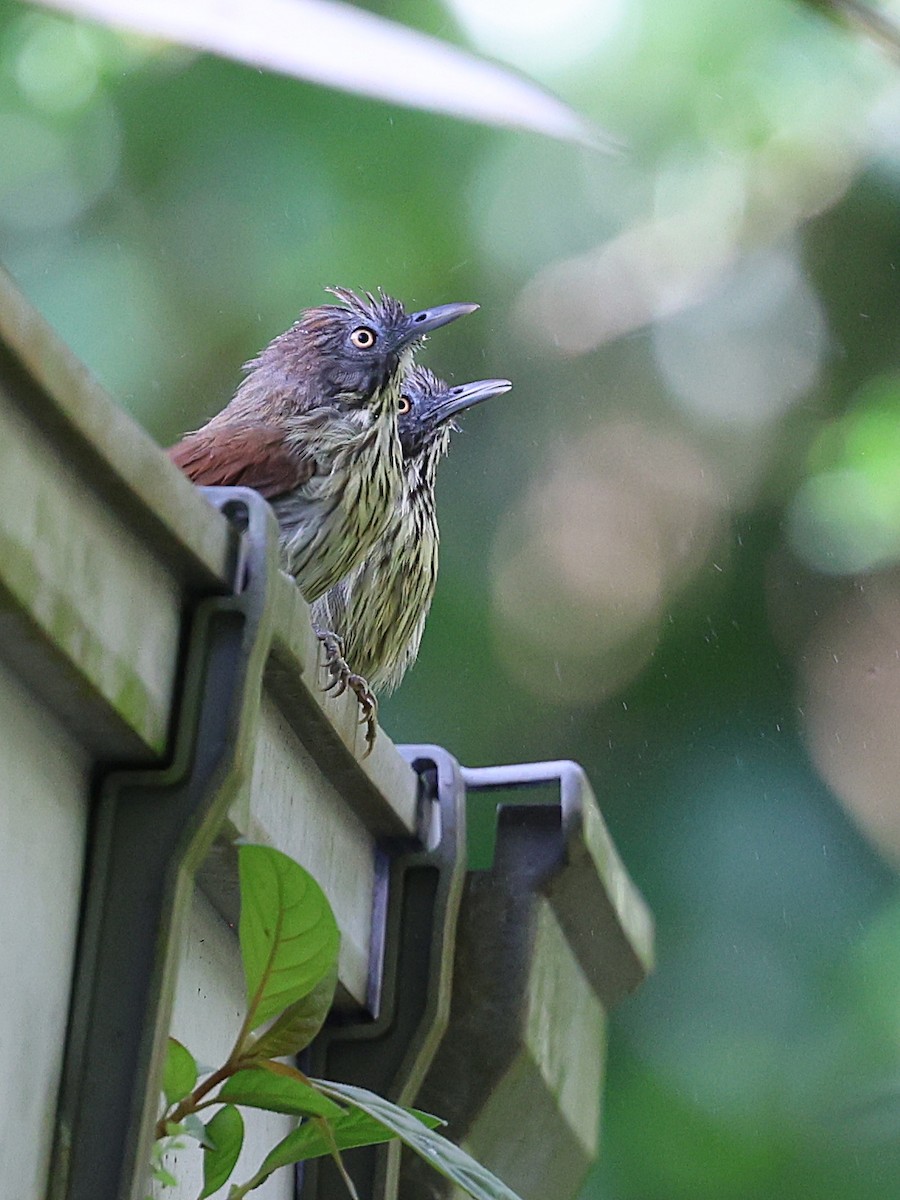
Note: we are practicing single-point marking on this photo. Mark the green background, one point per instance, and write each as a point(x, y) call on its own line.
point(670, 553)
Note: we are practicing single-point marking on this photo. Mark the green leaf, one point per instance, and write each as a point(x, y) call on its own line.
point(299, 1023)
point(179, 1072)
point(317, 1137)
point(446, 1158)
point(226, 1133)
point(277, 1090)
point(163, 1177)
point(289, 937)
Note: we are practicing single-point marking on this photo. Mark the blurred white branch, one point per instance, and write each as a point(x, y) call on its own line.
point(344, 47)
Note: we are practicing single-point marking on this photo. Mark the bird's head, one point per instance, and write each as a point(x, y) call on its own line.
point(352, 355)
point(429, 407)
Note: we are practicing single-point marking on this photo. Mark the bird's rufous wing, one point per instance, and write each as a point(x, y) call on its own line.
point(242, 455)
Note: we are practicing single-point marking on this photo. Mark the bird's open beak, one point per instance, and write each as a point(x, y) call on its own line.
point(420, 323)
point(457, 399)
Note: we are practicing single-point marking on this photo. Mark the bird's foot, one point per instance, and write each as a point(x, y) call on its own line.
point(335, 663)
point(368, 709)
point(341, 678)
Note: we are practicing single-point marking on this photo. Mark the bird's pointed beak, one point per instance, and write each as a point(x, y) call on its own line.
point(466, 395)
point(422, 322)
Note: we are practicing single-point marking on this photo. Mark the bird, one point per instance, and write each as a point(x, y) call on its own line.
point(313, 427)
point(378, 611)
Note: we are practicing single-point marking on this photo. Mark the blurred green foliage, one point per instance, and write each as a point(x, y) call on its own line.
point(654, 546)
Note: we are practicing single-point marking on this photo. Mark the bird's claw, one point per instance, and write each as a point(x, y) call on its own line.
point(338, 678)
point(368, 709)
point(342, 678)
point(335, 664)
point(332, 644)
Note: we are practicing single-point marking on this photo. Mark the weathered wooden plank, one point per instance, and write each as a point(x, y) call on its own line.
point(299, 810)
point(43, 820)
point(554, 1082)
point(90, 590)
point(609, 921)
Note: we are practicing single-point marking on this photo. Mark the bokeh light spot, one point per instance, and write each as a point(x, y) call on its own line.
point(751, 349)
point(58, 63)
point(51, 175)
point(652, 269)
point(834, 524)
point(851, 696)
point(584, 569)
point(845, 517)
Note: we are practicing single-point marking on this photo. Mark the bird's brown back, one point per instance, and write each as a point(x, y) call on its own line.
point(243, 455)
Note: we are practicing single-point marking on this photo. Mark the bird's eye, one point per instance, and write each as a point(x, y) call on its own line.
point(404, 406)
point(363, 338)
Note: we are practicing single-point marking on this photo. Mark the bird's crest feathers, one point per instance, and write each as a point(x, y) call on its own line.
point(422, 380)
point(381, 309)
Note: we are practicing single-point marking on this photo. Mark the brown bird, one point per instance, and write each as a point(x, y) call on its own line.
point(313, 427)
point(378, 611)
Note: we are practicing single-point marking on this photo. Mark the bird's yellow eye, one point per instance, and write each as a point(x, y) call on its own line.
point(363, 338)
point(404, 406)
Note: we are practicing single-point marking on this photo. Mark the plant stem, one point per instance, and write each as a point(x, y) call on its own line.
point(189, 1103)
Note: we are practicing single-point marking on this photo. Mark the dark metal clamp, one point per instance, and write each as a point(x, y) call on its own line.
point(151, 830)
point(390, 1050)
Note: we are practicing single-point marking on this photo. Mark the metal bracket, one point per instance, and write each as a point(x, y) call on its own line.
point(151, 830)
point(415, 930)
point(594, 900)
